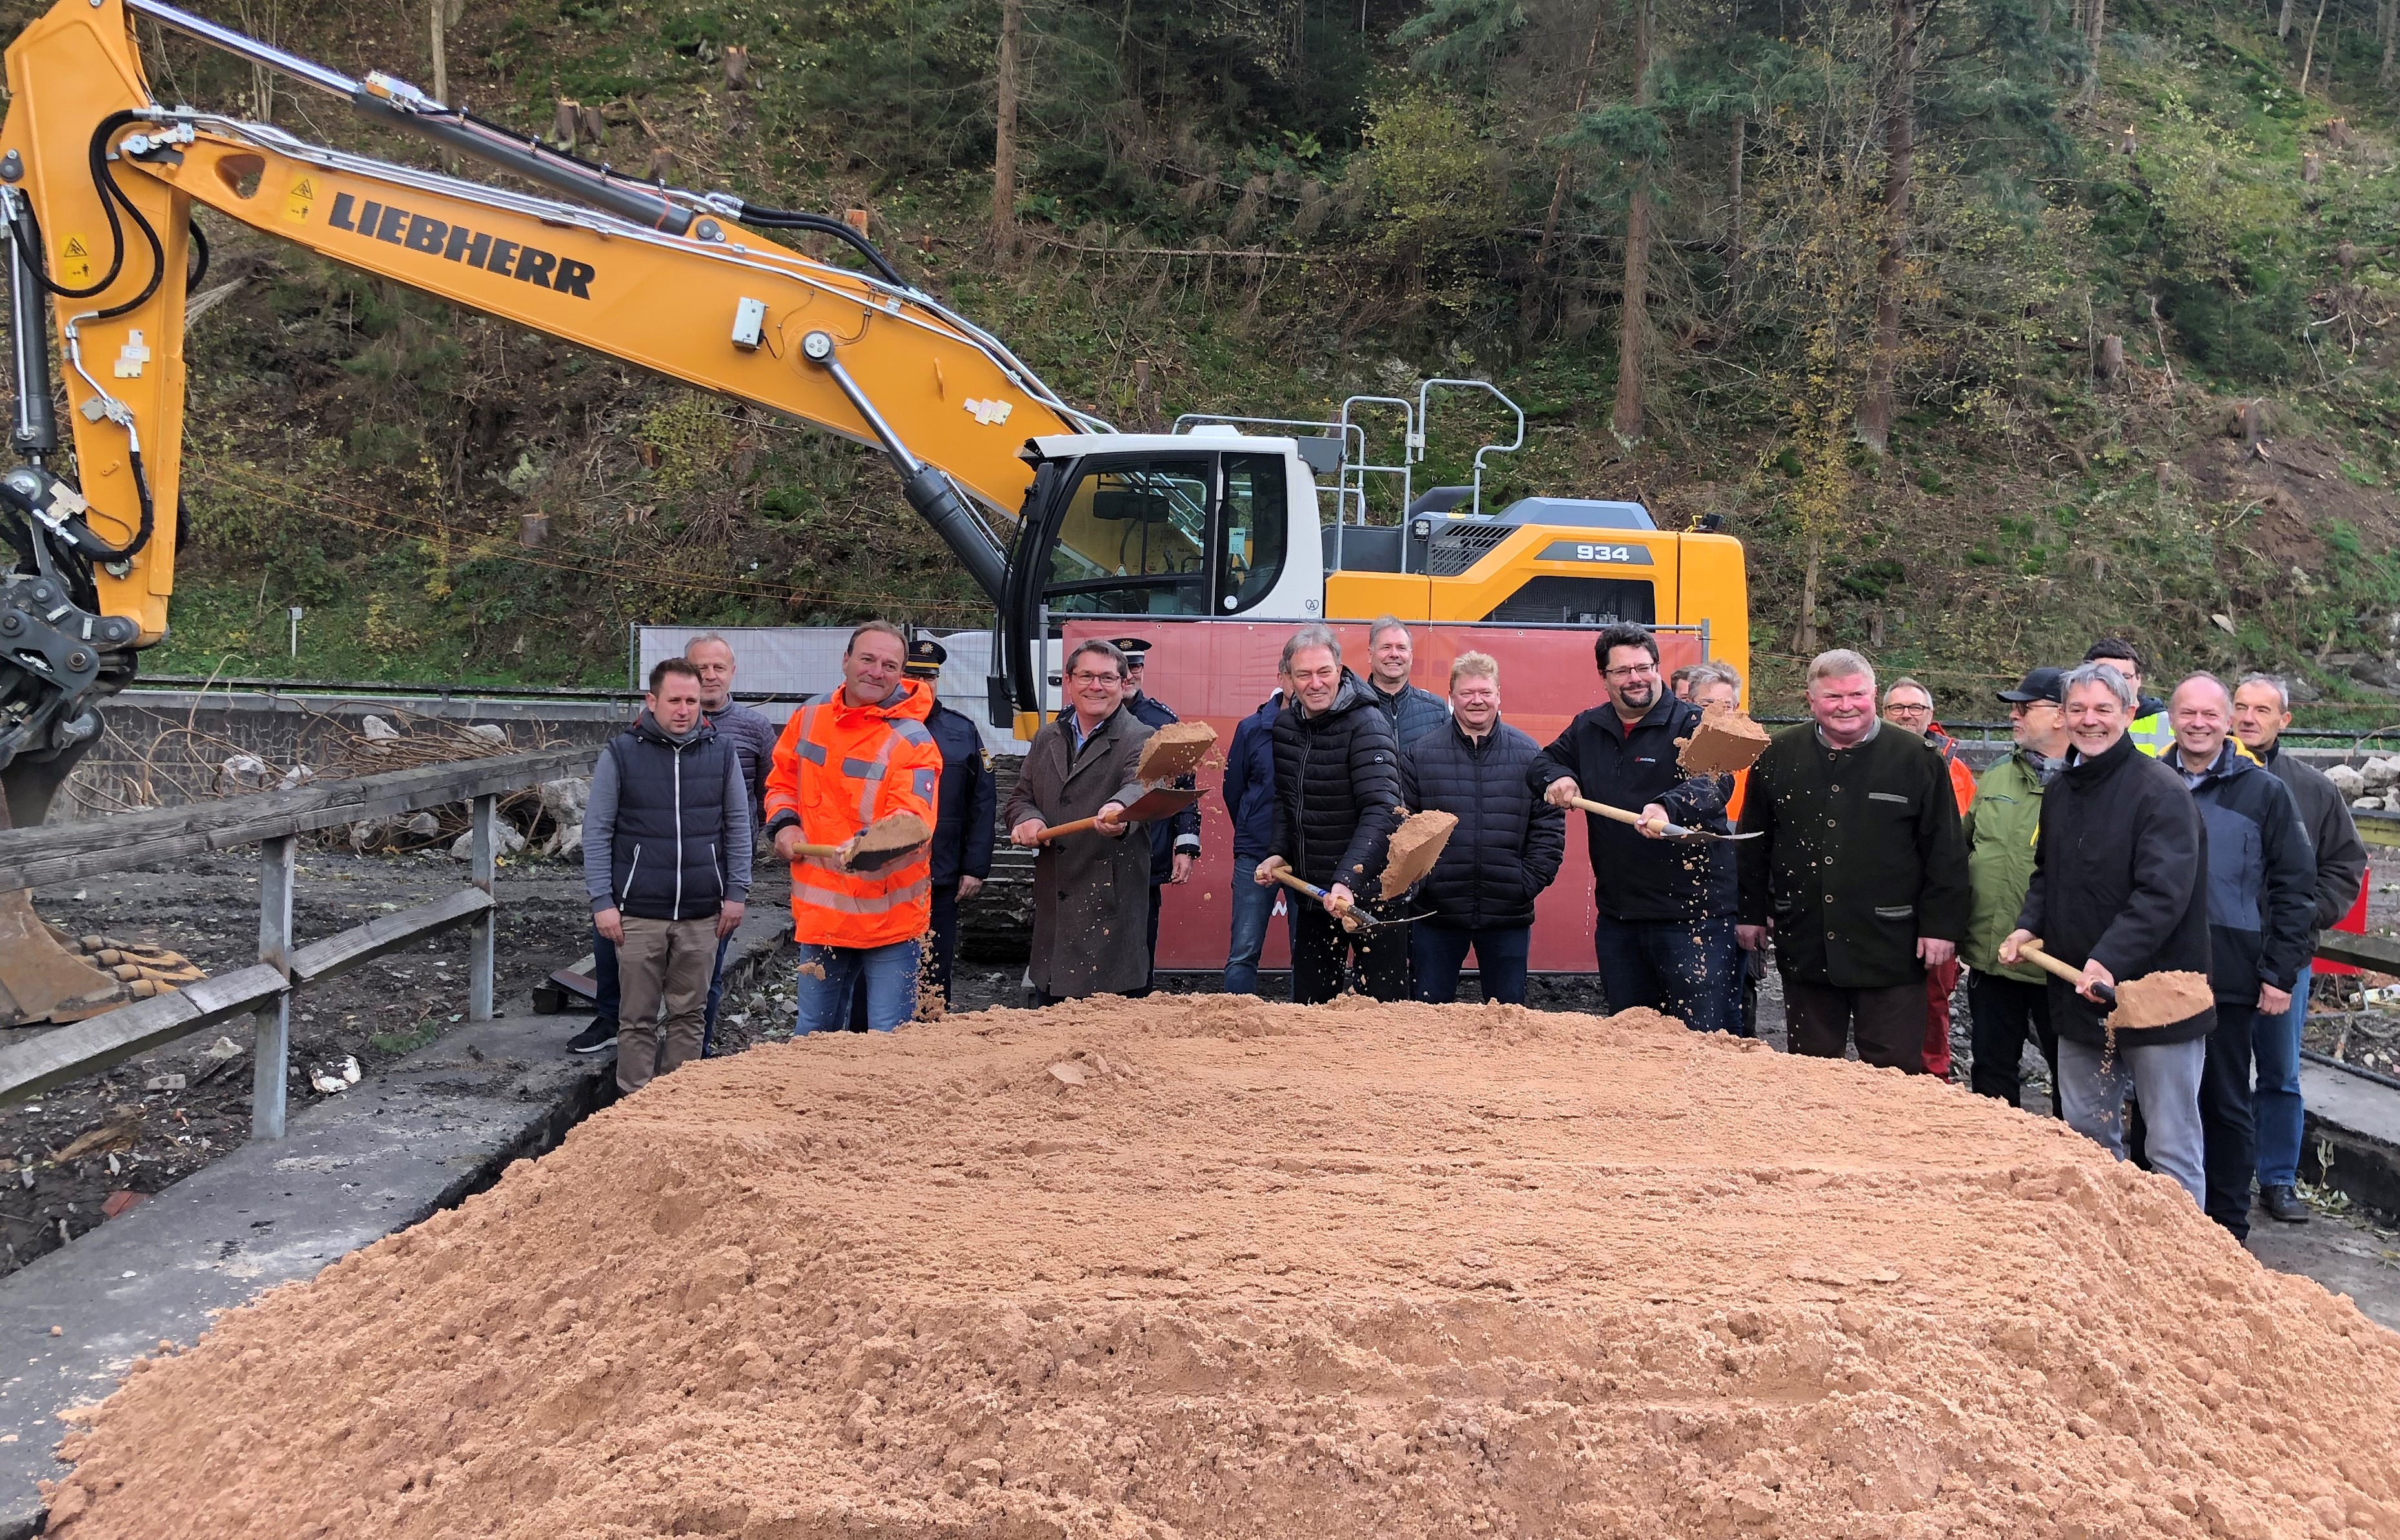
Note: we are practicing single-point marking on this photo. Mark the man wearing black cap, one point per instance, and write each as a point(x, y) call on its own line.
point(964, 810)
point(2010, 1002)
point(1175, 844)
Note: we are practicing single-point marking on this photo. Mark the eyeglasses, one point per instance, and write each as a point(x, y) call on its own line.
point(1636, 671)
point(1903, 708)
point(1079, 676)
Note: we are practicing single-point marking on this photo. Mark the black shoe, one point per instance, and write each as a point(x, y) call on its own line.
point(598, 1037)
point(2283, 1204)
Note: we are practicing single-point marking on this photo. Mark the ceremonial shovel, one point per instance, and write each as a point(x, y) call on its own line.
point(1170, 753)
point(1416, 845)
point(892, 837)
point(1669, 831)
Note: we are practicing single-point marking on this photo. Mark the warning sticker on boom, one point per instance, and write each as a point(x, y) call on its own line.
point(299, 200)
point(75, 262)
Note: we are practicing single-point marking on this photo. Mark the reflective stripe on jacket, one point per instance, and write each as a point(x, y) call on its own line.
point(838, 768)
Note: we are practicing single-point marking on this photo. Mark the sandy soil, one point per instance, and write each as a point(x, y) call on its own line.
point(1203, 1266)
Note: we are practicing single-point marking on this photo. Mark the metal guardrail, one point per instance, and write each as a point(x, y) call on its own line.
point(273, 821)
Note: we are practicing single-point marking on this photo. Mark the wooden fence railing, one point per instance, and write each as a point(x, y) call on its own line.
point(273, 821)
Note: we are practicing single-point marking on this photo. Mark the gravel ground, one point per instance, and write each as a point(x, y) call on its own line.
point(136, 1136)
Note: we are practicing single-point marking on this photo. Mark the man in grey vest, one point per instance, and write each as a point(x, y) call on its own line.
point(666, 861)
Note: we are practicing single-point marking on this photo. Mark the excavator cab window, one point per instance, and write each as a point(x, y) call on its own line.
point(1134, 540)
point(1256, 515)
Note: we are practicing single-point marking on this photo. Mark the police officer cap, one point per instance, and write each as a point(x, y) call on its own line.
point(926, 657)
point(1133, 647)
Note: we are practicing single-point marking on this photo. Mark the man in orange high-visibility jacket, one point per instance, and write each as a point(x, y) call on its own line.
point(859, 754)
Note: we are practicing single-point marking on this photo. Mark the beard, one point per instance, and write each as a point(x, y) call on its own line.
point(1641, 694)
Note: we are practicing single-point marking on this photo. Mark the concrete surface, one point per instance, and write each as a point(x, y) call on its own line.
point(2352, 1138)
point(2345, 1255)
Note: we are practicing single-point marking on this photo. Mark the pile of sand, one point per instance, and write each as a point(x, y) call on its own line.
point(1209, 1267)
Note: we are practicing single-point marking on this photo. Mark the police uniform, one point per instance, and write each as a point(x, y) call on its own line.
point(964, 808)
point(1178, 834)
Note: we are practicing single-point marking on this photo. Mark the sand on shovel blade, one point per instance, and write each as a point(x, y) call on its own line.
point(1415, 846)
point(1725, 742)
point(1174, 751)
point(893, 834)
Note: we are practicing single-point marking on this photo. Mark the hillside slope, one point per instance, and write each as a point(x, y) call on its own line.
point(1264, 210)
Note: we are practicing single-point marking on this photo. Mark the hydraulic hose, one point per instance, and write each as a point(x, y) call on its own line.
point(790, 219)
point(111, 197)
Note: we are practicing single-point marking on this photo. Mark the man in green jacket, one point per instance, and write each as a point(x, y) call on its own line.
point(1862, 875)
point(2011, 1003)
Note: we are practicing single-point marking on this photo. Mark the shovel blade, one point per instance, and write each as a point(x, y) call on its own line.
point(1160, 802)
point(1174, 751)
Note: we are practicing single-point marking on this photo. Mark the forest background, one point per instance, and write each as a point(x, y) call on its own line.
point(1988, 325)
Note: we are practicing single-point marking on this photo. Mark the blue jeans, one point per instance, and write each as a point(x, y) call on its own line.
point(1681, 968)
point(889, 973)
point(2275, 1105)
point(1253, 908)
point(1437, 952)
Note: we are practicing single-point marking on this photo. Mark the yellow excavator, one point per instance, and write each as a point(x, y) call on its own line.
point(1054, 512)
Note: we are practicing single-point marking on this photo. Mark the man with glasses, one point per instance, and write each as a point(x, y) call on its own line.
point(1664, 927)
point(1908, 705)
point(1091, 890)
point(2008, 1005)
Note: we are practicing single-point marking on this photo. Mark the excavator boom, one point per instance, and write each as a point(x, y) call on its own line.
point(97, 185)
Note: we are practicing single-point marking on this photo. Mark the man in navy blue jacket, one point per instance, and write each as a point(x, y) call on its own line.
point(1250, 801)
point(1504, 851)
point(2262, 878)
point(1174, 842)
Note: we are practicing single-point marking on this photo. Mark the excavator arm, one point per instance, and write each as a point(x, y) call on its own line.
point(97, 184)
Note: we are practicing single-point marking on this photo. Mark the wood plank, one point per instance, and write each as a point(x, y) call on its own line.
point(90, 1045)
point(64, 852)
point(338, 954)
point(2380, 953)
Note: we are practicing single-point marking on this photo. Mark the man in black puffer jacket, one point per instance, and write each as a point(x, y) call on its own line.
point(1337, 799)
point(1505, 850)
point(2119, 891)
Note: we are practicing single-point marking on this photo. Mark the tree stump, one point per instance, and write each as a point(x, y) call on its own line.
point(2250, 422)
point(2109, 368)
point(662, 164)
point(2125, 141)
point(2311, 168)
point(533, 529)
point(589, 128)
point(737, 67)
point(563, 121)
point(2337, 133)
point(856, 219)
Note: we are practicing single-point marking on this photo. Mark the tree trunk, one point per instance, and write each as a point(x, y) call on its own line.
point(2309, 54)
point(2284, 21)
point(441, 58)
point(2390, 21)
point(2095, 21)
point(1634, 323)
point(1899, 188)
point(1733, 258)
point(1804, 641)
point(1003, 159)
point(1567, 157)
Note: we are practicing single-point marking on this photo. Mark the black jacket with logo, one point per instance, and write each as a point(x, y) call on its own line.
point(2117, 874)
point(1509, 842)
point(1863, 855)
point(1337, 789)
point(1634, 879)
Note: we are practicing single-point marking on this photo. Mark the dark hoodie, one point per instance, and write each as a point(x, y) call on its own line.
point(2262, 876)
point(1337, 788)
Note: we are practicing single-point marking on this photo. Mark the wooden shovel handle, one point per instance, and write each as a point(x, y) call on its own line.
point(826, 851)
point(2031, 951)
point(1588, 805)
point(1302, 884)
point(1079, 826)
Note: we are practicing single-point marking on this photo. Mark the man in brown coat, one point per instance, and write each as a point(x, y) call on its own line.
point(1091, 890)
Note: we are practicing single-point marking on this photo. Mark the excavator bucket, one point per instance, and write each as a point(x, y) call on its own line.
point(43, 978)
